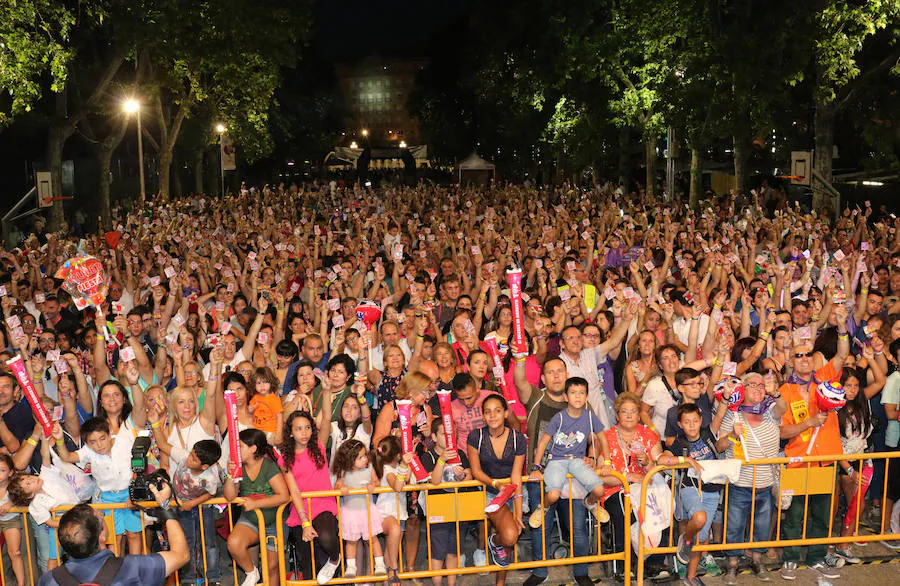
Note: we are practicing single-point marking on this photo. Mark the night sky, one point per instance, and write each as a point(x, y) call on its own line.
point(352, 29)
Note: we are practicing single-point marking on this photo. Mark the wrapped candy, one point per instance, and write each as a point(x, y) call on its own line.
point(737, 392)
point(17, 365)
point(85, 280)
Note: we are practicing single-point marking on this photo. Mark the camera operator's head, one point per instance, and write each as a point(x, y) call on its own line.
point(81, 531)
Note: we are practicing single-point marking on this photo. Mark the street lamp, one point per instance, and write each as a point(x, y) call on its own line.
point(132, 106)
point(220, 130)
point(365, 132)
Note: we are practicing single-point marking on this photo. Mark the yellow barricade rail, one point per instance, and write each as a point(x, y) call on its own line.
point(796, 481)
point(457, 507)
point(113, 544)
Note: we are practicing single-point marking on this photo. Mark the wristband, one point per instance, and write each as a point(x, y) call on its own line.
point(494, 483)
point(850, 470)
point(60, 442)
point(731, 439)
point(31, 441)
point(716, 361)
point(362, 400)
point(864, 291)
point(764, 335)
point(155, 425)
point(439, 462)
point(607, 462)
point(681, 459)
point(367, 418)
point(843, 337)
point(306, 524)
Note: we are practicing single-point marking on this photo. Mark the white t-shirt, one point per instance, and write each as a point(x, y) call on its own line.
point(230, 365)
point(378, 354)
point(660, 399)
point(113, 471)
point(55, 492)
point(891, 394)
point(682, 328)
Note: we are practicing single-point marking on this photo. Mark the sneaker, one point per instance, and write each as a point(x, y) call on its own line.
point(826, 570)
point(252, 578)
point(533, 580)
point(683, 553)
point(730, 576)
point(761, 573)
point(598, 511)
point(479, 558)
point(847, 556)
point(709, 564)
point(834, 561)
point(892, 544)
point(789, 571)
point(350, 570)
point(327, 572)
point(695, 581)
point(380, 569)
point(583, 581)
point(498, 553)
point(537, 518)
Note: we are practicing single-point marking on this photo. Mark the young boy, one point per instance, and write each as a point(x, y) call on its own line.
point(574, 430)
point(196, 480)
point(41, 494)
point(111, 469)
point(695, 506)
point(443, 535)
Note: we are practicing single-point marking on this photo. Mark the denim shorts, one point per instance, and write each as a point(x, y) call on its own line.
point(270, 531)
point(556, 470)
point(689, 502)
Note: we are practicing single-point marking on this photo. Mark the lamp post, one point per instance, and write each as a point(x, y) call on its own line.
point(132, 106)
point(220, 130)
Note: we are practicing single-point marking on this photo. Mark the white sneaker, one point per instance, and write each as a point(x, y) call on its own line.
point(380, 570)
point(350, 570)
point(326, 573)
point(252, 578)
point(479, 558)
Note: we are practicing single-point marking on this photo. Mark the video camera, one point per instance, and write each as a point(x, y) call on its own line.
point(139, 489)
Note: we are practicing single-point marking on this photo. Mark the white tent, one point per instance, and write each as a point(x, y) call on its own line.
point(477, 170)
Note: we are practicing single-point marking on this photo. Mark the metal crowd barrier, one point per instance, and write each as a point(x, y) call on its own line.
point(458, 507)
point(801, 481)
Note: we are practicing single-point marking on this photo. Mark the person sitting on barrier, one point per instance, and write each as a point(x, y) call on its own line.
point(359, 520)
point(443, 535)
point(83, 533)
point(695, 505)
point(109, 454)
point(11, 523)
point(497, 452)
point(386, 461)
point(633, 448)
point(751, 433)
point(570, 436)
point(262, 487)
point(196, 480)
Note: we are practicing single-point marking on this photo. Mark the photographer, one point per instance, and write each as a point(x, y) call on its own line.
point(82, 535)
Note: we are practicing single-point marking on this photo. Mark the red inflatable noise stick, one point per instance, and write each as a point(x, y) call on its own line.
point(500, 500)
point(368, 312)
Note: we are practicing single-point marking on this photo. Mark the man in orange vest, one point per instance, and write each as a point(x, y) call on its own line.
point(798, 424)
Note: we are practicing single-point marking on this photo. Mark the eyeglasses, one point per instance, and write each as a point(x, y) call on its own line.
point(696, 383)
point(803, 354)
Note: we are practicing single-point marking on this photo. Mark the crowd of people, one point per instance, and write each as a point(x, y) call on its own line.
point(653, 334)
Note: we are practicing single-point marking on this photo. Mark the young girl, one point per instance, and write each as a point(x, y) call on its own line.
point(354, 421)
point(394, 474)
point(303, 462)
point(268, 413)
point(358, 520)
point(263, 488)
point(11, 523)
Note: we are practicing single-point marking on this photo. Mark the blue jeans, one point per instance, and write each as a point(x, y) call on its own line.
point(739, 503)
point(556, 471)
point(44, 545)
point(190, 522)
point(561, 509)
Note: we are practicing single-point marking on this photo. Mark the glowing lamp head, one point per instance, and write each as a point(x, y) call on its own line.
point(220, 128)
point(131, 106)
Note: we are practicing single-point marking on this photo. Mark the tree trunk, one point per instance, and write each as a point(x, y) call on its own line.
point(696, 175)
point(165, 168)
point(198, 172)
point(104, 152)
point(624, 170)
point(176, 180)
point(61, 128)
point(742, 149)
point(824, 129)
point(650, 156)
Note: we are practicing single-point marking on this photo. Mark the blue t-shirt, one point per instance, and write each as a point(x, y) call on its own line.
point(570, 436)
point(136, 569)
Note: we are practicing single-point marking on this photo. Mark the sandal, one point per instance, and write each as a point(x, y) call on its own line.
point(393, 579)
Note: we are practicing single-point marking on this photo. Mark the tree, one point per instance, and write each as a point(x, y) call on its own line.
point(35, 36)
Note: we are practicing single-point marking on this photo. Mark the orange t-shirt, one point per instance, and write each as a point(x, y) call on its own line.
point(265, 415)
point(828, 440)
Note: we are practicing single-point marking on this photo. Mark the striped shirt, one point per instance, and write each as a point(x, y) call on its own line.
point(763, 442)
